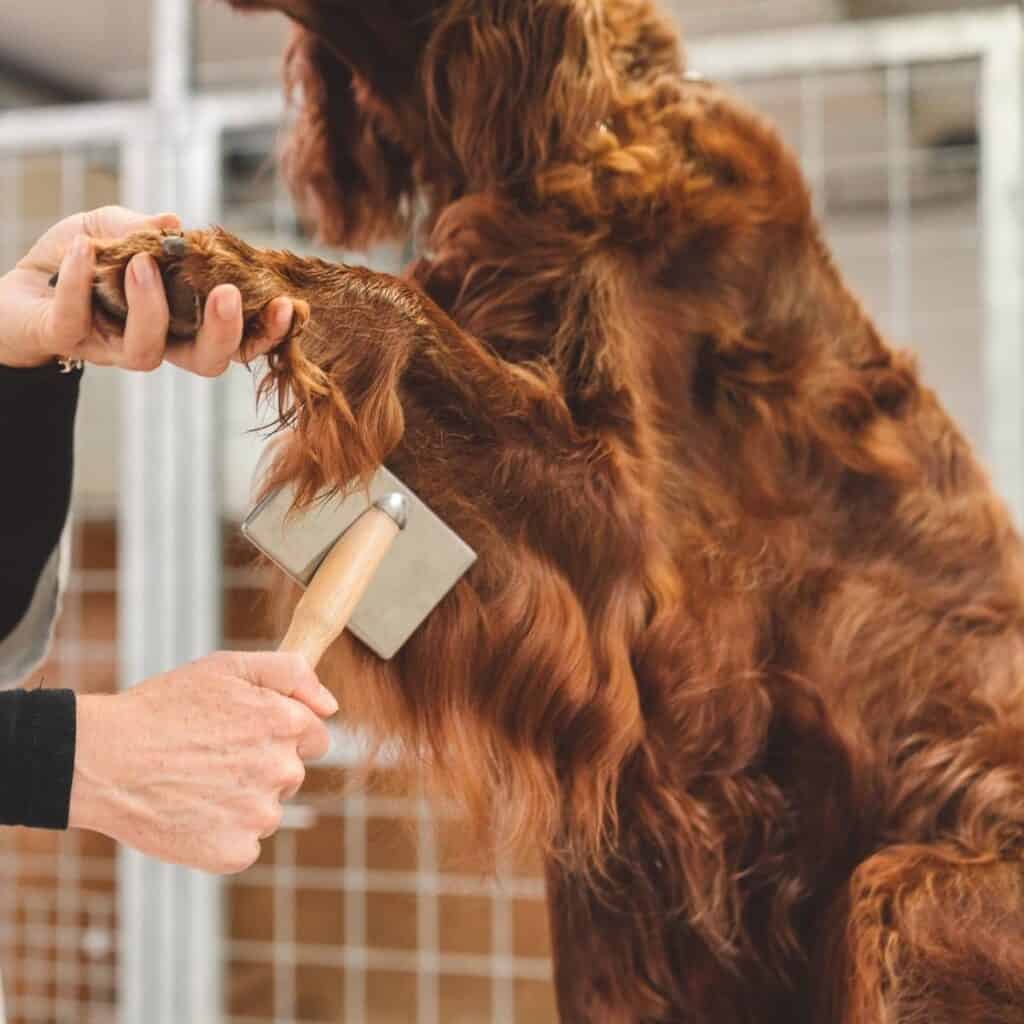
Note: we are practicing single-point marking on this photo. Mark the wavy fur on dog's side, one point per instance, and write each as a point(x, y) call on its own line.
point(743, 648)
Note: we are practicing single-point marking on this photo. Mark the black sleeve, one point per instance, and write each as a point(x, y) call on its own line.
point(37, 417)
point(37, 757)
point(37, 729)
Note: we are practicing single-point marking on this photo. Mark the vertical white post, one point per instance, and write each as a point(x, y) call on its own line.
point(1002, 167)
point(812, 139)
point(898, 117)
point(170, 566)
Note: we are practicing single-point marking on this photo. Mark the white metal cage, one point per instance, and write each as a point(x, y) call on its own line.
point(358, 910)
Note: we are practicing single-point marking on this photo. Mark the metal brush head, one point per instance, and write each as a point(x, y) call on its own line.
point(427, 559)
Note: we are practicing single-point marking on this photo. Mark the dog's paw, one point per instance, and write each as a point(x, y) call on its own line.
point(191, 266)
point(185, 302)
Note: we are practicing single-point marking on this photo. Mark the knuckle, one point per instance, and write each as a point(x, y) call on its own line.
point(321, 739)
point(314, 745)
point(146, 361)
point(219, 659)
point(237, 664)
point(269, 819)
point(95, 221)
point(290, 719)
point(297, 670)
point(211, 370)
point(293, 777)
point(91, 220)
point(238, 859)
point(269, 768)
point(278, 721)
point(295, 663)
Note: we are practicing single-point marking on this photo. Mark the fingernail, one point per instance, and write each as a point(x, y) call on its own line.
point(228, 304)
point(81, 248)
point(330, 701)
point(144, 270)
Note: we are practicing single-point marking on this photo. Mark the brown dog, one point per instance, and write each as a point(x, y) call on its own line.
point(742, 652)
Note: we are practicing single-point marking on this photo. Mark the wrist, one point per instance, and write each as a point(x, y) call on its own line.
point(13, 364)
point(21, 345)
point(96, 782)
point(49, 368)
point(12, 359)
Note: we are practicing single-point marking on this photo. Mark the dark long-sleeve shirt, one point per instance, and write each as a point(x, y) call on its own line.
point(37, 727)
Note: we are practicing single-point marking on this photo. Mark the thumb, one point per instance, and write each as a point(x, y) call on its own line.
point(289, 675)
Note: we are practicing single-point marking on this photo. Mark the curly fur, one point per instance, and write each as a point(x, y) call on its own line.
point(741, 654)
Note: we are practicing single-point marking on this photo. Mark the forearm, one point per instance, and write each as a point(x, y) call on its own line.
point(37, 412)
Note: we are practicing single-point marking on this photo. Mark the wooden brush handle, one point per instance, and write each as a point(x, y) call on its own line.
point(338, 585)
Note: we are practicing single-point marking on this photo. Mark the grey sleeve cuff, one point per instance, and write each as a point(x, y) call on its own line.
point(22, 650)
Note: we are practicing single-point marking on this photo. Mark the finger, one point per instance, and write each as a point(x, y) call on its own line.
point(297, 778)
point(273, 823)
point(145, 330)
point(70, 319)
point(242, 856)
point(291, 721)
point(278, 318)
point(97, 352)
point(286, 717)
point(287, 674)
point(219, 337)
point(314, 742)
point(117, 221)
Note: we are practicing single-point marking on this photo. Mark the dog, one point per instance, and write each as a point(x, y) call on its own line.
point(741, 655)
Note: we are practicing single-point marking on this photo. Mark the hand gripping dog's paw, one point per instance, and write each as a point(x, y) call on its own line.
point(191, 266)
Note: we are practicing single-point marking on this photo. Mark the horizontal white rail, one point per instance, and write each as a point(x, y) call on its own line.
point(914, 40)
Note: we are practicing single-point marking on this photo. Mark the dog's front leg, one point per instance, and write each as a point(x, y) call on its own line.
point(368, 356)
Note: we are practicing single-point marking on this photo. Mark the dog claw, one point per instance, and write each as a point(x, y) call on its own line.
point(174, 247)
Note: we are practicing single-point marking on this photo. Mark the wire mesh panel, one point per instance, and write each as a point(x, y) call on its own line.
point(911, 133)
point(39, 187)
point(893, 155)
point(364, 908)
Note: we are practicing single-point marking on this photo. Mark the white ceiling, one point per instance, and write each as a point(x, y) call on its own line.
point(100, 48)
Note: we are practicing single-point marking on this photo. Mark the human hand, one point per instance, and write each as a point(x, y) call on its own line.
point(191, 766)
point(39, 323)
